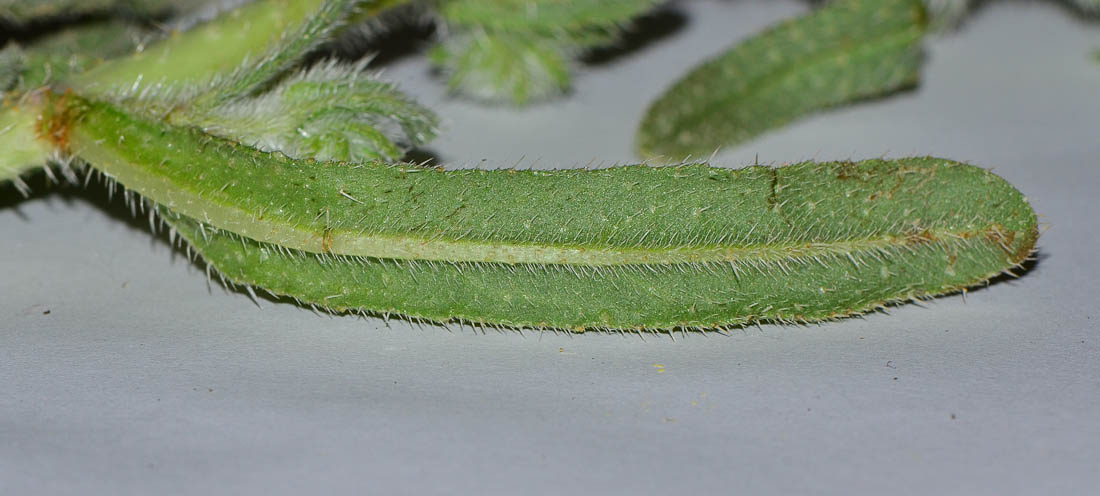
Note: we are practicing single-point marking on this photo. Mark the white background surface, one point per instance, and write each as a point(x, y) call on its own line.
point(140, 380)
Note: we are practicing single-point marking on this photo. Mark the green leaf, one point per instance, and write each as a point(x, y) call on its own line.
point(625, 247)
point(56, 56)
point(520, 50)
point(502, 67)
point(329, 112)
point(578, 21)
point(287, 52)
point(846, 51)
point(813, 242)
point(243, 50)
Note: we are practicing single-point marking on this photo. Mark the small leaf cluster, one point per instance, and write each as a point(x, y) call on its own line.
point(521, 50)
point(331, 111)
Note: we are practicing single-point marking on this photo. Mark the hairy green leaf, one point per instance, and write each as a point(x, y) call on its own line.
point(243, 50)
point(826, 241)
point(56, 56)
point(292, 46)
point(623, 247)
point(330, 112)
point(496, 67)
point(580, 22)
point(520, 50)
point(845, 51)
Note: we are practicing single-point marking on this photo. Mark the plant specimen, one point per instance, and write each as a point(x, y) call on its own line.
point(284, 174)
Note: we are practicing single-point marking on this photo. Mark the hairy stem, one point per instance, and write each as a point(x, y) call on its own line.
point(271, 33)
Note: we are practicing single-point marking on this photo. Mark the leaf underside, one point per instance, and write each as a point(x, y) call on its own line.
point(654, 296)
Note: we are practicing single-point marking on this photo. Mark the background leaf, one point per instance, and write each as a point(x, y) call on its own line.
point(521, 50)
point(845, 51)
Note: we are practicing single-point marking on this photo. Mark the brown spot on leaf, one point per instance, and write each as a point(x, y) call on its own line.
point(847, 170)
point(326, 241)
point(920, 237)
point(999, 238)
